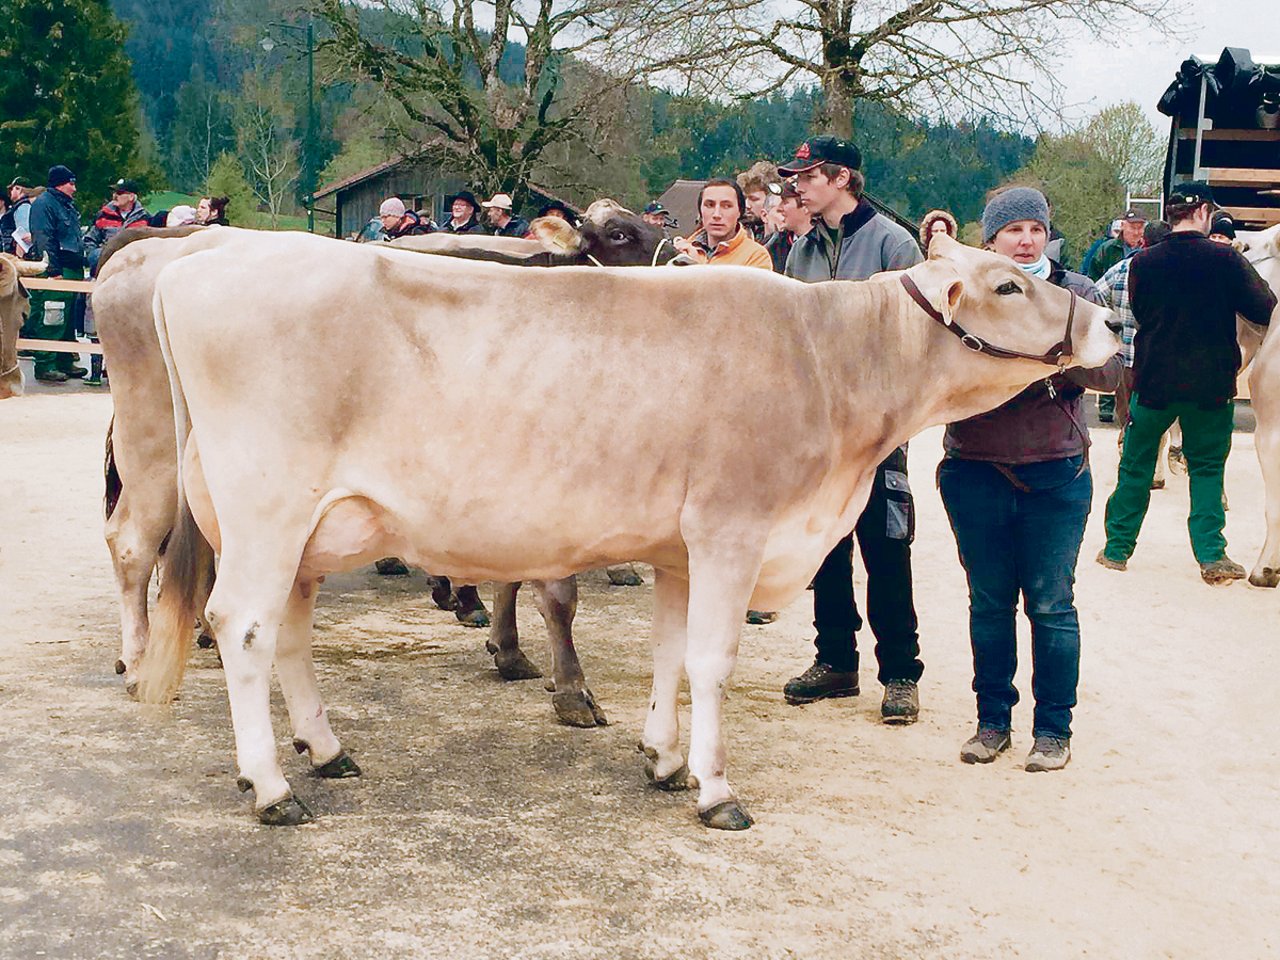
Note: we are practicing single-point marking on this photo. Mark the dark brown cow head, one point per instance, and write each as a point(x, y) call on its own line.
point(610, 236)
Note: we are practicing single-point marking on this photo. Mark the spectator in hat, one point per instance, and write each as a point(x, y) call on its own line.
point(16, 226)
point(55, 232)
point(795, 222)
point(851, 241)
point(935, 222)
point(557, 209)
point(721, 240)
point(463, 207)
point(398, 221)
point(121, 211)
point(497, 210)
point(1185, 293)
point(1119, 248)
point(758, 183)
point(656, 215)
point(1223, 228)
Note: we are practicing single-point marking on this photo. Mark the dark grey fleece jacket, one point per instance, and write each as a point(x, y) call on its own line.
point(867, 244)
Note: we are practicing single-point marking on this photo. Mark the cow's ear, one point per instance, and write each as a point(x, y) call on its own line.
point(948, 299)
point(940, 245)
point(556, 234)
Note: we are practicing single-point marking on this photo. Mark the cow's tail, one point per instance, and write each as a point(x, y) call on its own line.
point(111, 475)
point(185, 568)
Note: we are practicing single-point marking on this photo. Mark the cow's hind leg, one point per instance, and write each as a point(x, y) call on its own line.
point(574, 705)
point(246, 610)
point(504, 638)
point(660, 742)
point(297, 673)
point(1266, 572)
point(134, 532)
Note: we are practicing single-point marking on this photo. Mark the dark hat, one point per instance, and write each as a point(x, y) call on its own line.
point(1132, 215)
point(22, 182)
point(1192, 191)
point(1223, 224)
point(125, 185)
point(787, 190)
point(466, 195)
point(654, 206)
point(58, 175)
point(562, 207)
point(819, 150)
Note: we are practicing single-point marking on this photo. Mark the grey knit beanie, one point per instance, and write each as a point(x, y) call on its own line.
point(1014, 204)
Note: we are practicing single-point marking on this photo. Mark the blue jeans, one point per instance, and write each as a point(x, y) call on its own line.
point(1012, 542)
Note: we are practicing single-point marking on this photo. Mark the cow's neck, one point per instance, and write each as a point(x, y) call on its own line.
point(892, 371)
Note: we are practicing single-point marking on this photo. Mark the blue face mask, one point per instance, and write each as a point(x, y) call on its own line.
point(1041, 268)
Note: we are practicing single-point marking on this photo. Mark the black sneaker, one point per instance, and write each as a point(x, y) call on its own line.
point(820, 682)
point(1049, 753)
point(985, 745)
point(51, 376)
point(901, 703)
point(760, 617)
point(391, 567)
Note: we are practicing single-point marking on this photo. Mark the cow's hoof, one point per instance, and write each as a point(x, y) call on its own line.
point(726, 815)
point(474, 618)
point(672, 782)
point(205, 641)
point(289, 812)
point(442, 594)
point(516, 666)
point(578, 708)
point(131, 688)
point(1266, 577)
point(341, 767)
point(624, 575)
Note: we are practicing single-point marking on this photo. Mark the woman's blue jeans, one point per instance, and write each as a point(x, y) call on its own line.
point(1012, 542)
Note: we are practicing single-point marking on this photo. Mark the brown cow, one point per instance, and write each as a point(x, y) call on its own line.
point(13, 311)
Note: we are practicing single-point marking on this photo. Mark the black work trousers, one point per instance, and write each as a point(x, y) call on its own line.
point(885, 531)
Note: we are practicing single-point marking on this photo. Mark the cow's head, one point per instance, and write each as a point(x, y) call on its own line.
point(991, 298)
point(610, 235)
point(13, 309)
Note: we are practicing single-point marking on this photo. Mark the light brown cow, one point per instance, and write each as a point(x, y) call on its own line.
point(1263, 251)
point(292, 470)
point(13, 310)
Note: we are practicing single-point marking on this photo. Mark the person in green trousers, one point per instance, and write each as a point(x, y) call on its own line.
point(1185, 293)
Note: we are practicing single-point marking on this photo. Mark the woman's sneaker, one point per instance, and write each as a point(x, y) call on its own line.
point(985, 745)
point(1049, 753)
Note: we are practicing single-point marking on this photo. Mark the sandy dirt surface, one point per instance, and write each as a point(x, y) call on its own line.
point(482, 829)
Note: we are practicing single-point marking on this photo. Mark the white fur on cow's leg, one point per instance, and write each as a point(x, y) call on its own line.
point(297, 673)
point(247, 623)
point(720, 590)
point(557, 601)
point(134, 540)
point(660, 743)
point(504, 637)
point(1266, 571)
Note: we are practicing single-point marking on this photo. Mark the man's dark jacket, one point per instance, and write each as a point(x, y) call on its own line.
point(1185, 293)
point(55, 229)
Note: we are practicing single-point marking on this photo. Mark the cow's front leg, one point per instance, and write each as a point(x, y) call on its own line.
point(660, 743)
point(558, 603)
point(247, 634)
point(504, 636)
point(297, 673)
point(719, 591)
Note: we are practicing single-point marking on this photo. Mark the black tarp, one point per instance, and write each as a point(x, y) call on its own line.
point(1236, 88)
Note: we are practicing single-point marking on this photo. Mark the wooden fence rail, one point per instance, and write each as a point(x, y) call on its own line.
point(58, 285)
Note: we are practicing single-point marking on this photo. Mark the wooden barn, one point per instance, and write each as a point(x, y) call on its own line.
point(355, 199)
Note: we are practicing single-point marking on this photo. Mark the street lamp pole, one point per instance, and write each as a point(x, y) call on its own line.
point(309, 146)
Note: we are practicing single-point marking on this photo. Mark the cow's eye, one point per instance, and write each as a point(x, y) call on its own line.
point(619, 236)
point(1007, 288)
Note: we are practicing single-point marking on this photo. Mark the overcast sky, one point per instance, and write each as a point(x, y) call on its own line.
point(1140, 68)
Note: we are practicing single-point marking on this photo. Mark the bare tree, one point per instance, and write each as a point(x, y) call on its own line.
point(1125, 138)
point(985, 56)
point(264, 123)
point(449, 70)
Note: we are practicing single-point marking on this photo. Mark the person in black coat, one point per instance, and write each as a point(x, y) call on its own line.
point(463, 209)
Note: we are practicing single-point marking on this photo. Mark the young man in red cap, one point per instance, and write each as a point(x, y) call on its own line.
point(851, 241)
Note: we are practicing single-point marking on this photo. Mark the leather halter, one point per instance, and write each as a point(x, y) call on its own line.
point(1054, 356)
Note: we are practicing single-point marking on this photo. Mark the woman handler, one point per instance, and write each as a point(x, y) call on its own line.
point(1017, 489)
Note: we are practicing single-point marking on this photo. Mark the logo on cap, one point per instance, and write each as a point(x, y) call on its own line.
point(802, 152)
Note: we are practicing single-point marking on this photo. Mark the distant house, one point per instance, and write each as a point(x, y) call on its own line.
point(355, 199)
point(681, 198)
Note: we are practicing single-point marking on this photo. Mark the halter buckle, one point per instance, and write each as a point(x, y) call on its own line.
point(972, 342)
